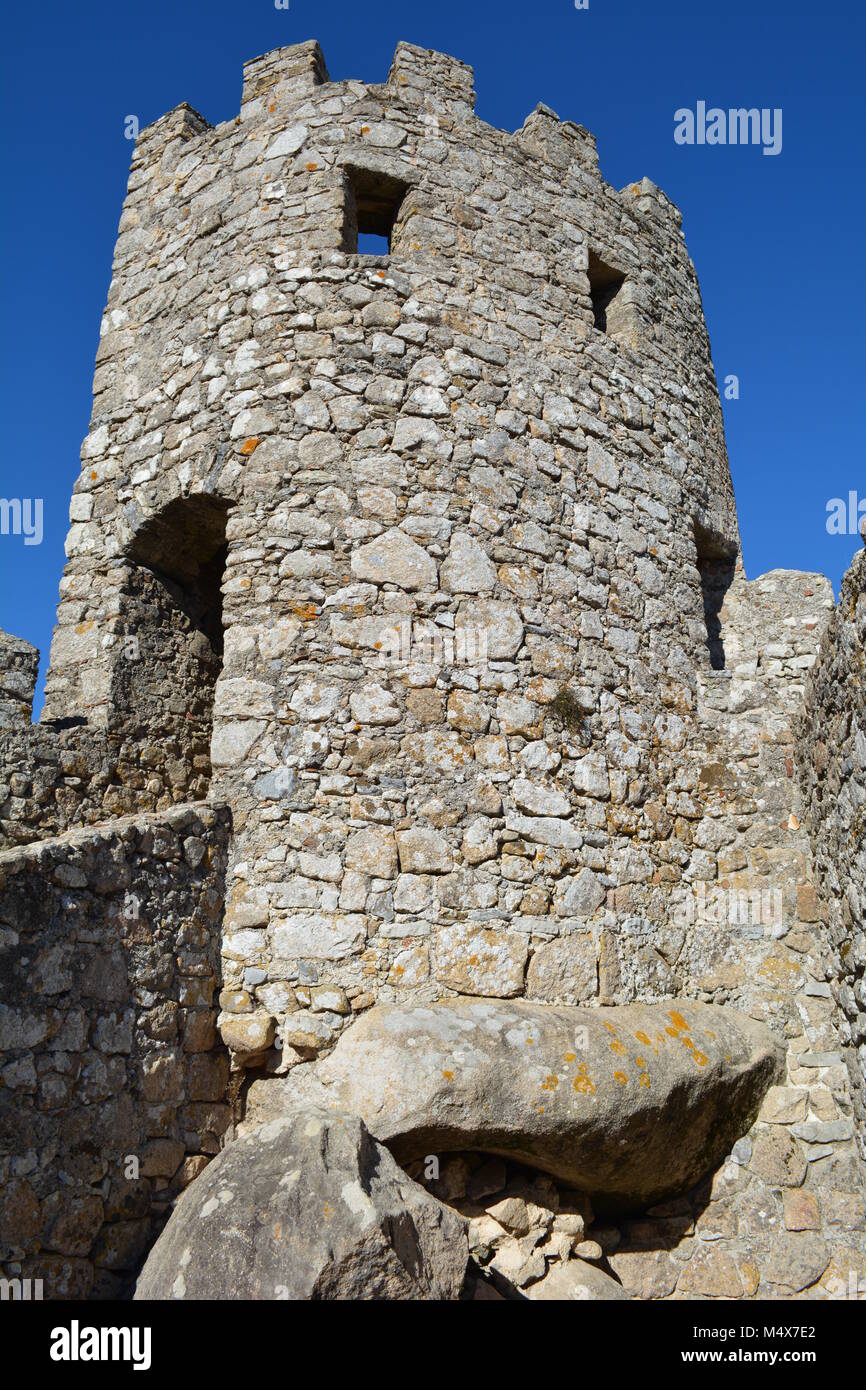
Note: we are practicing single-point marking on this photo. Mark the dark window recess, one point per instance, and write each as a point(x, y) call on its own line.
point(373, 205)
point(171, 641)
point(716, 565)
point(605, 284)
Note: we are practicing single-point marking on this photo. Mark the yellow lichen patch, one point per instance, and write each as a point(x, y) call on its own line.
point(610, 1028)
point(779, 969)
point(643, 1080)
point(639, 1062)
point(617, 1047)
point(642, 1038)
point(700, 1057)
point(530, 1042)
point(710, 1034)
point(550, 1083)
point(83, 627)
point(305, 611)
point(569, 1056)
point(687, 1042)
point(677, 1020)
point(250, 445)
point(311, 167)
point(621, 1077)
point(326, 1211)
point(672, 1032)
point(449, 1075)
point(582, 1082)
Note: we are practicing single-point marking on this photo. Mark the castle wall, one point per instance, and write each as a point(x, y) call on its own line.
point(425, 566)
point(19, 668)
point(439, 447)
point(112, 1079)
point(833, 771)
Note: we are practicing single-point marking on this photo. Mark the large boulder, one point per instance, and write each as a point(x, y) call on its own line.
point(308, 1206)
point(631, 1105)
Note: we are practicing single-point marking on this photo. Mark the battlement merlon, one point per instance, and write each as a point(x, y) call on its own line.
point(424, 72)
point(19, 668)
point(182, 124)
point(283, 74)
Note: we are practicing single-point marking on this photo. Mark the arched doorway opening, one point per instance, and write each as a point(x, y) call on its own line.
point(170, 650)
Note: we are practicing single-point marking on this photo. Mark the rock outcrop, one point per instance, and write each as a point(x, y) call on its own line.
point(629, 1104)
point(307, 1207)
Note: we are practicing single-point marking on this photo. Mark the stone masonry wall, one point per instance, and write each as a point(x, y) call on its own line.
point(426, 566)
point(457, 444)
point(19, 667)
point(64, 773)
point(113, 1084)
point(832, 766)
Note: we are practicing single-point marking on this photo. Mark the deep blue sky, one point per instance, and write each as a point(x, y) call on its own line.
point(777, 241)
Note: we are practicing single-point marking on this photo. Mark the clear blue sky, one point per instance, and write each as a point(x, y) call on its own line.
point(777, 241)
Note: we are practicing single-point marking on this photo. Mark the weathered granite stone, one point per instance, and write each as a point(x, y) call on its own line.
point(577, 1282)
point(593, 1096)
point(309, 1207)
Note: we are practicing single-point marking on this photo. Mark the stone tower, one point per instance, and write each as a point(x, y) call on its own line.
point(422, 568)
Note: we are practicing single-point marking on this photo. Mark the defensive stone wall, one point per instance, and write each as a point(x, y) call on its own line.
point(113, 1083)
point(423, 567)
point(832, 766)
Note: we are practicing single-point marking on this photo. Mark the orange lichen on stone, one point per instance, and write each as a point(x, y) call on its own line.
point(621, 1077)
point(642, 1038)
point(582, 1081)
point(250, 445)
point(677, 1020)
point(617, 1047)
point(550, 1083)
point(448, 1075)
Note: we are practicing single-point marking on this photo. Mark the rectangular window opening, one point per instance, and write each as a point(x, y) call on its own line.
point(716, 567)
point(605, 284)
point(373, 206)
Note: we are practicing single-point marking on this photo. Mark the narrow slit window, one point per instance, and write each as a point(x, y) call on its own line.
point(373, 206)
point(605, 285)
point(716, 567)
